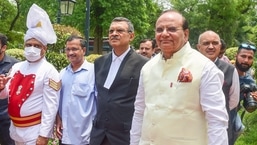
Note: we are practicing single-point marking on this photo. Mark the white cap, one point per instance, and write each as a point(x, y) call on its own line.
point(39, 26)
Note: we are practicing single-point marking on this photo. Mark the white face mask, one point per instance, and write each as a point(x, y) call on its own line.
point(32, 53)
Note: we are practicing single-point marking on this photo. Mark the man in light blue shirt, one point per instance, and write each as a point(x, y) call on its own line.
point(77, 96)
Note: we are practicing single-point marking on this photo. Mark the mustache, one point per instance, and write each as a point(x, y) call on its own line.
point(71, 55)
point(245, 64)
point(143, 53)
point(115, 37)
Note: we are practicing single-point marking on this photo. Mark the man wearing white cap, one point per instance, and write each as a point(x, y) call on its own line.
point(33, 85)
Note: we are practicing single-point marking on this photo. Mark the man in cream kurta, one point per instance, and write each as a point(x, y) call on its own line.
point(186, 106)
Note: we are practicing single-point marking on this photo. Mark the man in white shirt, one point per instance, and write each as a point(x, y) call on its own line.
point(209, 44)
point(179, 99)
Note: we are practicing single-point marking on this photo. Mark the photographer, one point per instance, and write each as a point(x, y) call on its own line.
point(248, 93)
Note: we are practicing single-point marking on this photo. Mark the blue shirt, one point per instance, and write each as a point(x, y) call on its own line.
point(77, 103)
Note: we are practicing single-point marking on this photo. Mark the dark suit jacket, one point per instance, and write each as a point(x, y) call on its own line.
point(115, 106)
point(5, 65)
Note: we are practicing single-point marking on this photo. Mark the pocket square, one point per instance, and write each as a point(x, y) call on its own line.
point(185, 76)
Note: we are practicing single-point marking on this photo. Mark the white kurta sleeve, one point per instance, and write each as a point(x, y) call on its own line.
point(212, 100)
point(135, 132)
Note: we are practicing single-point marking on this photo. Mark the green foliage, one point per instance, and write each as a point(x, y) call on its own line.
point(217, 15)
point(7, 14)
point(143, 15)
point(16, 53)
point(62, 33)
point(91, 58)
point(58, 60)
point(249, 136)
point(15, 39)
point(231, 53)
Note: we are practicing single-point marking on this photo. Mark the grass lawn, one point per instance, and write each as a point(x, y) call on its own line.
point(249, 137)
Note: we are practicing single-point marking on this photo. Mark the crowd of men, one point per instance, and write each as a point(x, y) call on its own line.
point(167, 93)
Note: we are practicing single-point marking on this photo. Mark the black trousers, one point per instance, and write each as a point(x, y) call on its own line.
point(105, 141)
point(5, 138)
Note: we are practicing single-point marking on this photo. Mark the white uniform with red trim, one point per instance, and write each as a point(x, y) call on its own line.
point(42, 96)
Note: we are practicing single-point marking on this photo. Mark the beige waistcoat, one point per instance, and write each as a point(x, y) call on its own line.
point(173, 114)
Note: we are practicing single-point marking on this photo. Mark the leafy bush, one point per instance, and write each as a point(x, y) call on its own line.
point(16, 53)
point(249, 136)
point(15, 39)
point(91, 58)
point(62, 33)
point(58, 60)
point(231, 53)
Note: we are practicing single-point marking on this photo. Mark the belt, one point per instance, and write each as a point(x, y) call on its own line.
point(26, 121)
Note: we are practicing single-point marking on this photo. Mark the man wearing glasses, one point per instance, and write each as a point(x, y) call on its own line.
point(179, 99)
point(116, 81)
point(244, 61)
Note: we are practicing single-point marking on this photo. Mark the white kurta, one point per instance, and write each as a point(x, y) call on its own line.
point(180, 113)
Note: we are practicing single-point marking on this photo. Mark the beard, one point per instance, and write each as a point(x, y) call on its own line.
point(244, 67)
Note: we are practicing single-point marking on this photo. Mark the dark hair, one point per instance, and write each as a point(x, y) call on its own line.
point(3, 39)
point(145, 40)
point(184, 21)
point(223, 44)
point(154, 43)
point(248, 46)
point(123, 19)
point(82, 40)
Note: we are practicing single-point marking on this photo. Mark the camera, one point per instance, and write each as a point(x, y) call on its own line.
point(249, 103)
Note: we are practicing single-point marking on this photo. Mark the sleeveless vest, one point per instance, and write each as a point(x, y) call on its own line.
point(173, 114)
point(228, 70)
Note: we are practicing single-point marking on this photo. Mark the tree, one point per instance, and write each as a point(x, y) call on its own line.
point(140, 12)
point(217, 15)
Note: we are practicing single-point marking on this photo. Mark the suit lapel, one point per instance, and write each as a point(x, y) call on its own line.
point(106, 67)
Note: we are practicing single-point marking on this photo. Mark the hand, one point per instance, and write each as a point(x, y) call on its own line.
point(42, 140)
point(254, 94)
point(3, 81)
point(58, 127)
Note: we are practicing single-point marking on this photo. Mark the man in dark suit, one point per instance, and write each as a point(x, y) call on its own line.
point(6, 62)
point(117, 76)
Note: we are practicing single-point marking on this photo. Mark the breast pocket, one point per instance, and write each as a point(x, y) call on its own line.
point(80, 90)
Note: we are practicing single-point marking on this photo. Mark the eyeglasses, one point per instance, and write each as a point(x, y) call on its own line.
point(71, 49)
point(119, 31)
point(247, 46)
point(207, 43)
point(168, 29)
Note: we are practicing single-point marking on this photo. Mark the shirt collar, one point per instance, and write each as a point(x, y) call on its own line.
point(6, 59)
point(121, 57)
point(84, 66)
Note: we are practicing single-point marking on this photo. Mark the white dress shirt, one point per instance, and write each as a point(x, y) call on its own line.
point(116, 62)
